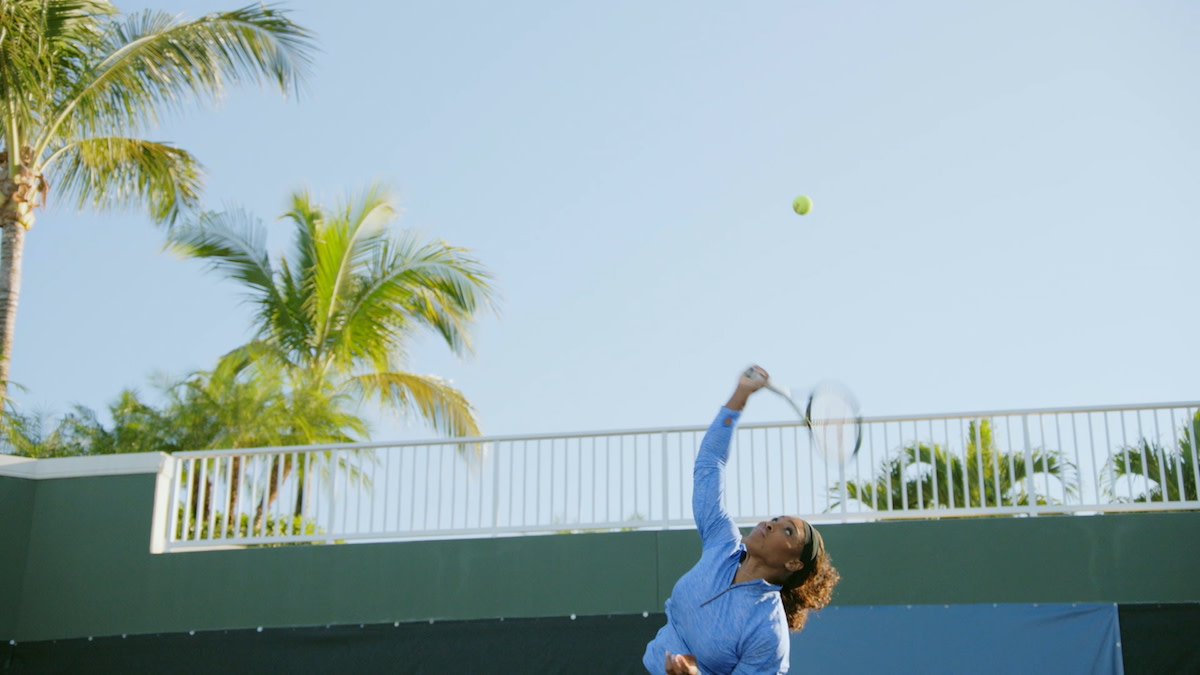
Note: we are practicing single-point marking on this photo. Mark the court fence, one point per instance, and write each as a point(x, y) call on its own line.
point(1017, 463)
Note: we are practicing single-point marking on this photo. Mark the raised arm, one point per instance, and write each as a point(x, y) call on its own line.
point(708, 489)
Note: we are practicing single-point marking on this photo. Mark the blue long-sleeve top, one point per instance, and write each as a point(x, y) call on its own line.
point(728, 627)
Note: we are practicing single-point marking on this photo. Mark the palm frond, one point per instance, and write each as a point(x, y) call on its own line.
point(112, 172)
point(233, 243)
point(258, 354)
point(1148, 472)
point(414, 284)
point(920, 476)
point(452, 288)
point(291, 325)
point(154, 62)
point(306, 216)
point(43, 43)
point(347, 241)
point(445, 408)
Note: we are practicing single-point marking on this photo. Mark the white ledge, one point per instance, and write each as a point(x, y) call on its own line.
point(79, 467)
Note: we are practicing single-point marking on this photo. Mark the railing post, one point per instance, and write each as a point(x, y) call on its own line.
point(496, 489)
point(1189, 418)
point(1029, 484)
point(332, 495)
point(666, 484)
point(845, 495)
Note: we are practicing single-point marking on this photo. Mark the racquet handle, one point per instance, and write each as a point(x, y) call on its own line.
point(778, 388)
point(753, 374)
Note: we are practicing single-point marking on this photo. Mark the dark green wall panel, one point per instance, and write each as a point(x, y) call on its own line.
point(612, 645)
point(1111, 558)
point(1144, 557)
point(16, 517)
point(89, 552)
point(90, 571)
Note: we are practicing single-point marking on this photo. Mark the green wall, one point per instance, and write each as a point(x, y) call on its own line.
point(16, 518)
point(89, 571)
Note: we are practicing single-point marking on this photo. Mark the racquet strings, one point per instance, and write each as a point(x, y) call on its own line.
point(834, 421)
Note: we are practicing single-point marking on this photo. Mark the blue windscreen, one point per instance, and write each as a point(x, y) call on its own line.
point(1062, 639)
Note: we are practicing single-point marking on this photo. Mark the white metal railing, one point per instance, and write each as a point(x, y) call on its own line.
point(1004, 463)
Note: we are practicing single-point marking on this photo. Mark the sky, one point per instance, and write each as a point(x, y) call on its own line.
point(1004, 205)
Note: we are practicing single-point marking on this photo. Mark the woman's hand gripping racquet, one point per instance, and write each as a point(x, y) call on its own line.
point(831, 415)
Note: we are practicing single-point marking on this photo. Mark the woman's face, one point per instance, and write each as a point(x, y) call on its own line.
point(778, 542)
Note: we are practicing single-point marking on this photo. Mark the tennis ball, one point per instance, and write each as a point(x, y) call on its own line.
point(802, 205)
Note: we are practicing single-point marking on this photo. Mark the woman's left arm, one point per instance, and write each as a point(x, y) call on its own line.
point(767, 654)
point(766, 649)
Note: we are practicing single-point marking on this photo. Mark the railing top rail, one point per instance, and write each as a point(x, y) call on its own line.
point(1037, 411)
point(479, 440)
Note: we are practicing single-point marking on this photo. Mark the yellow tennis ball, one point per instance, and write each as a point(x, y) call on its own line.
point(802, 205)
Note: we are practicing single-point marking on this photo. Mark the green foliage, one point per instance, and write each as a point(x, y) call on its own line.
point(78, 83)
point(921, 476)
point(336, 313)
point(228, 407)
point(33, 434)
point(1166, 474)
point(217, 526)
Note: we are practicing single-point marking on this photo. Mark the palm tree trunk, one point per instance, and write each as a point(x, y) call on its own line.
point(12, 251)
point(197, 512)
point(274, 481)
point(18, 196)
point(298, 509)
point(235, 487)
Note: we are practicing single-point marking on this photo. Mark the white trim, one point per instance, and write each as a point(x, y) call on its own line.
point(80, 467)
point(17, 467)
point(160, 522)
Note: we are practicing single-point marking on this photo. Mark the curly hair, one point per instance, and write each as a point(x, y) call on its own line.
point(810, 587)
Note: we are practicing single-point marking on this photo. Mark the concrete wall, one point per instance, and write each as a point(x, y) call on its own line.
point(88, 570)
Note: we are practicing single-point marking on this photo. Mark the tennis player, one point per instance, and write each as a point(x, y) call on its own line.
point(732, 612)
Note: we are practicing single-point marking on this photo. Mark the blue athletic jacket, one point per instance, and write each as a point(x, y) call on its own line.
point(729, 628)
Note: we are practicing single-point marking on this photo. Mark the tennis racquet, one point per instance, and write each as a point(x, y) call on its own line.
point(831, 415)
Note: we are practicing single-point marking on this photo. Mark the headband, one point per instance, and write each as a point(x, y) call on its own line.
point(814, 546)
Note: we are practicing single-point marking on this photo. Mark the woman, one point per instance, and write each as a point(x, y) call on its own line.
point(732, 612)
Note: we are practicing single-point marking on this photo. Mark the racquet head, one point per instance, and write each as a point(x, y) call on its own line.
point(834, 422)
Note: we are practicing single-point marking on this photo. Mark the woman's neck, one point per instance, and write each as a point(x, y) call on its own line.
point(752, 568)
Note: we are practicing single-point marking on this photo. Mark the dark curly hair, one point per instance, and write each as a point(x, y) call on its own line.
point(810, 587)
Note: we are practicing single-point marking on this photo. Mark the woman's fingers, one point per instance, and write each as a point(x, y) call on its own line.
point(681, 664)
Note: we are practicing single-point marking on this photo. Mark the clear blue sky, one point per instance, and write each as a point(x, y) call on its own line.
point(1005, 204)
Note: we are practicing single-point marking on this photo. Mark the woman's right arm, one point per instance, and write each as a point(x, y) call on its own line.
point(708, 489)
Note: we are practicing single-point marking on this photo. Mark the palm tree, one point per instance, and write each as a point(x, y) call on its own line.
point(229, 407)
point(235, 407)
point(921, 476)
point(336, 313)
point(1167, 475)
point(78, 86)
point(31, 434)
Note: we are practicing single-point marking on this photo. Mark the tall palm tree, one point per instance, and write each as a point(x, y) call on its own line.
point(79, 86)
point(921, 476)
point(337, 312)
point(1164, 474)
